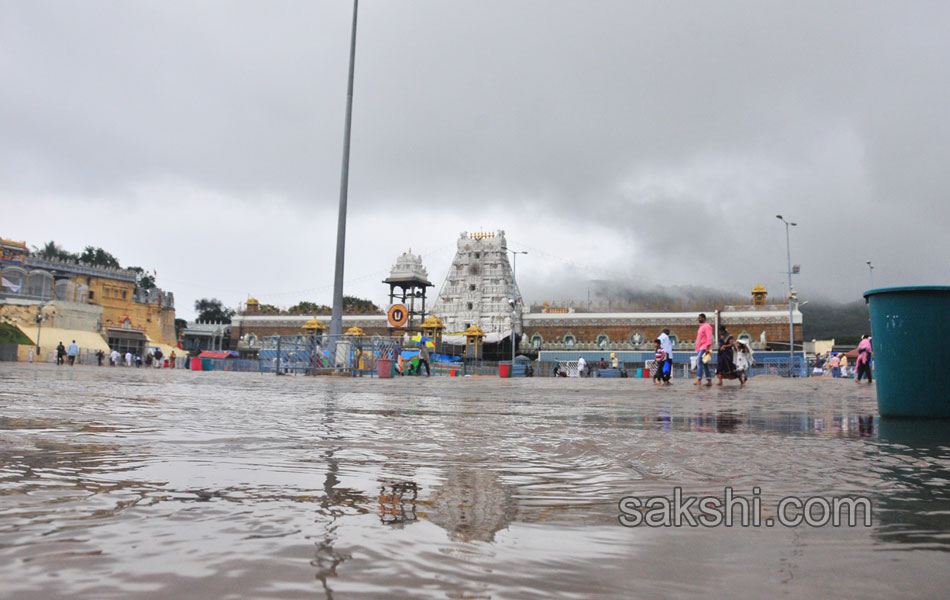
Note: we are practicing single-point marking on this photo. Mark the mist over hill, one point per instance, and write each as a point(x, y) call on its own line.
point(843, 322)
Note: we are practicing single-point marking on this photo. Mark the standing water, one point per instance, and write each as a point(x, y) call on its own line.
point(133, 483)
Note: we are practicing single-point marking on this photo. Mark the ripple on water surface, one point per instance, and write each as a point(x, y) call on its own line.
point(118, 483)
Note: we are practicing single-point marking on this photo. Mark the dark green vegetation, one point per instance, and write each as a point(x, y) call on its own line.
point(351, 306)
point(845, 323)
point(11, 335)
point(213, 310)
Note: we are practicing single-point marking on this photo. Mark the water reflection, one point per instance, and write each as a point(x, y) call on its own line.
point(913, 509)
point(156, 484)
point(731, 420)
point(397, 503)
point(471, 505)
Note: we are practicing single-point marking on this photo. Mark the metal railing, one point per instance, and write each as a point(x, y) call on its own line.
point(321, 354)
point(766, 363)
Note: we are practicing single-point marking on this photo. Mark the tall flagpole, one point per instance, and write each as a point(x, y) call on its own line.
point(336, 320)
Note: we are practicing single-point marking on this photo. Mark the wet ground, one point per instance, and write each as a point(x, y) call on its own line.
point(128, 483)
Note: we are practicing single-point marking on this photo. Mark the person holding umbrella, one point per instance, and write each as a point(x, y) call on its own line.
point(423, 358)
point(424, 344)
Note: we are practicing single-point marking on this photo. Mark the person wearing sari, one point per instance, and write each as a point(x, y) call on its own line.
point(725, 358)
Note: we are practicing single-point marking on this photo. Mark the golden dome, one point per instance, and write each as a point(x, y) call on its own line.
point(475, 330)
point(432, 322)
point(354, 331)
point(252, 301)
point(759, 290)
point(314, 325)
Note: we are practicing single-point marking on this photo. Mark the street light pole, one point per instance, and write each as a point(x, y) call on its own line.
point(39, 331)
point(515, 296)
point(871, 272)
point(791, 294)
point(336, 318)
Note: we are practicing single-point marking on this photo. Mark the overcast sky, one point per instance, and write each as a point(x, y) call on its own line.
point(651, 143)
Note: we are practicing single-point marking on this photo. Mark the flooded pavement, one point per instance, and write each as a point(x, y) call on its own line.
point(129, 483)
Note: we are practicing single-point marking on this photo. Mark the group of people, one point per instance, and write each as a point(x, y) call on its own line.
point(64, 354)
point(733, 360)
point(68, 355)
point(837, 363)
point(414, 365)
point(584, 369)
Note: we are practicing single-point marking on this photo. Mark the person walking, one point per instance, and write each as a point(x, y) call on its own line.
point(659, 361)
point(865, 354)
point(423, 359)
point(835, 365)
point(819, 366)
point(128, 358)
point(171, 358)
point(114, 358)
point(100, 355)
point(743, 360)
point(725, 359)
point(581, 366)
point(60, 354)
point(843, 363)
point(29, 355)
point(557, 367)
point(703, 345)
point(666, 344)
point(71, 352)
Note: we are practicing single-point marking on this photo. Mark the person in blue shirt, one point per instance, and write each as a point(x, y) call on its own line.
point(71, 353)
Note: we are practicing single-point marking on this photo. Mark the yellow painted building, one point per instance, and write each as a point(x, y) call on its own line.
point(83, 298)
point(125, 308)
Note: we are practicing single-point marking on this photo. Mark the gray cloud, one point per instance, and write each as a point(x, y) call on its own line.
point(667, 134)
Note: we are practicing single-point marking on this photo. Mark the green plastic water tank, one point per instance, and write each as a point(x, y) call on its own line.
point(910, 329)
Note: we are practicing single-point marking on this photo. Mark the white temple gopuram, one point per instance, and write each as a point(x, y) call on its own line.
point(478, 286)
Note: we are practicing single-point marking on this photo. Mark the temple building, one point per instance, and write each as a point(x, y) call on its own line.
point(479, 286)
point(475, 297)
point(79, 299)
point(411, 279)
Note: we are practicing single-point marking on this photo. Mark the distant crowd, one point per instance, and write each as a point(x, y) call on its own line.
point(67, 355)
point(838, 365)
point(733, 360)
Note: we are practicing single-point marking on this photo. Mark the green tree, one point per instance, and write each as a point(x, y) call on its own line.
point(213, 310)
point(51, 250)
point(97, 257)
point(143, 279)
point(269, 309)
point(359, 306)
point(305, 307)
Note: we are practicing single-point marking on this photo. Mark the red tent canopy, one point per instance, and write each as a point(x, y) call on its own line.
point(213, 354)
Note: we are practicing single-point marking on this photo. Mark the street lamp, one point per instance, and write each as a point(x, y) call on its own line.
point(791, 295)
point(336, 316)
point(39, 331)
point(871, 273)
point(515, 297)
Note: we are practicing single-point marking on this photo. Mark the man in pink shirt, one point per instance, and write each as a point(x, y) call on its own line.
point(703, 343)
point(864, 359)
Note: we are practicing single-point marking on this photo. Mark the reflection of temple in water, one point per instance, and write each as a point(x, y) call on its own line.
point(471, 505)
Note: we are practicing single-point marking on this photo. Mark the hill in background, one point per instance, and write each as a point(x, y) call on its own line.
point(845, 323)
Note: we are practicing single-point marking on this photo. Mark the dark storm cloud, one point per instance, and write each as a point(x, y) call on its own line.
point(679, 129)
